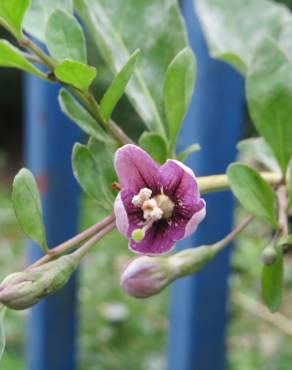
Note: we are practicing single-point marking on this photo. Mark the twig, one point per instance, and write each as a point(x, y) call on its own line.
point(258, 309)
point(209, 184)
point(68, 245)
point(283, 205)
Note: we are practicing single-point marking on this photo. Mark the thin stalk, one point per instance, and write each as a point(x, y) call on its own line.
point(221, 244)
point(33, 58)
point(283, 205)
point(88, 99)
point(70, 244)
point(90, 243)
point(214, 183)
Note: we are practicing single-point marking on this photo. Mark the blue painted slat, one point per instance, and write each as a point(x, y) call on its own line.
point(198, 304)
point(49, 137)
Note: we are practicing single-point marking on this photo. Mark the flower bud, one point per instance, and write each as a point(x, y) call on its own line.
point(145, 276)
point(23, 289)
point(269, 255)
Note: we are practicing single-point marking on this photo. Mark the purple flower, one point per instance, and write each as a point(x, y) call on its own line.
point(156, 206)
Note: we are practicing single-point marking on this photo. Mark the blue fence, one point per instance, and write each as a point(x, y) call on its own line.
point(198, 304)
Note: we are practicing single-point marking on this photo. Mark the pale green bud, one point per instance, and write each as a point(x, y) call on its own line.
point(23, 289)
point(269, 255)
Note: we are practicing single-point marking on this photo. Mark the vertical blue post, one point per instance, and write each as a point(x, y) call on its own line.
point(198, 304)
point(49, 140)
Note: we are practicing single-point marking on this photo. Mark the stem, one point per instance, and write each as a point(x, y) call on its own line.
point(87, 246)
point(221, 244)
point(209, 184)
point(33, 58)
point(88, 99)
point(68, 245)
point(47, 61)
point(283, 205)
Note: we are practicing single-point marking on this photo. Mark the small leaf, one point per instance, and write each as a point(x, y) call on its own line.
point(272, 282)
point(75, 111)
point(178, 90)
point(11, 57)
point(256, 149)
point(11, 15)
point(253, 192)
point(117, 87)
point(76, 74)
point(188, 151)
point(104, 159)
point(155, 145)
point(36, 18)
point(87, 173)
point(2, 331)
point(65, 37)
point(269, 95)
point(27, 206)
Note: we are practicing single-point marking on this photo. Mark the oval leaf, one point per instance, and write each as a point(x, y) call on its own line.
point(11, 15)
point(272, 282)
point(87, 173)
point(234, 41)
point(76, 74)
point(155, 145)
point(65, 37)
point(178, 90)
point(257, 150)
point(36, 18)
point(27, 206)
point(118, 29)
point(253, 192)
point(75, 111)
point(117, 87)
point(269, 95)
point(12, 57)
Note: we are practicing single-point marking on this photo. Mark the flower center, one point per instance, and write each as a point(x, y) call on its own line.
point(154, 208)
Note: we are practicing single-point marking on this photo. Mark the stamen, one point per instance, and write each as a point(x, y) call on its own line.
point(139, 199)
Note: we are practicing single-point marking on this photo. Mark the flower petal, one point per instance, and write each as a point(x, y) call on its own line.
point(136, 169)
point(122, 221)
point(159, 239)
point(179, 183)
point(198, 216)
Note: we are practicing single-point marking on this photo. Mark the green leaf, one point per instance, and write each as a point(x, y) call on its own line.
point(289, 184)
point(257, 150)
point(231, 27)
point(11, 15)
point(117, 30)
point(178, 90)
point(76, 74)
point(118, 86)
point(188, 151)
point(253, 192)
point(272, 282)
point(36, 18)
point(269, 95)
point(75, 111)
point(104, 158)
point(12, 57)
point(155, 145)
point(2, 331)
point(87, 172)
point(27, 207)
point(65, 37)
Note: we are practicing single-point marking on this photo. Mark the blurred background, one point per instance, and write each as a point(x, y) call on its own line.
point(117, 332)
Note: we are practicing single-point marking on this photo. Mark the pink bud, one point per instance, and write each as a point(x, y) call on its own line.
point(145, 276)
